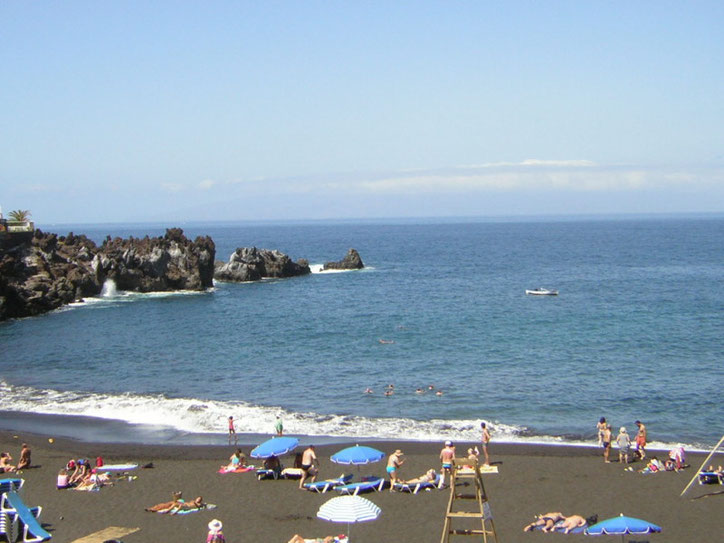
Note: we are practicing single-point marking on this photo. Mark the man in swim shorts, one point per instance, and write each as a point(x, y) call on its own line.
point(447, 454)
point(309, 459)
point(641, 439)
point(232, 432)
point(393, 463)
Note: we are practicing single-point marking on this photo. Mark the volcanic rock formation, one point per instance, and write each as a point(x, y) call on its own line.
point(351, 261)
point(252, 264)
point(50, 271)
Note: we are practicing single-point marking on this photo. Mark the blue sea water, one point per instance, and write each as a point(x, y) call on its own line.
point(635, 333)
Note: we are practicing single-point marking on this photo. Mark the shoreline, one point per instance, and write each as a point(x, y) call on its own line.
point(531, 479)
point(83, 428)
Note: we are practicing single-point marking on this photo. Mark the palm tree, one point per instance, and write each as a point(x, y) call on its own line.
point(19, 215)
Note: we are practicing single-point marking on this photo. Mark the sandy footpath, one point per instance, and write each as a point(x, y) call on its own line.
point(531, 480)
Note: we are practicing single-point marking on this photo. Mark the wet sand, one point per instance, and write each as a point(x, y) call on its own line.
point(531, 480)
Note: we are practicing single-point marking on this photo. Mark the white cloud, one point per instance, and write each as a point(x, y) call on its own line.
point(207, 184)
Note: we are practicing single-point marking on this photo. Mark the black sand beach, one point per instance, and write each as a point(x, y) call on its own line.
point(531, 480)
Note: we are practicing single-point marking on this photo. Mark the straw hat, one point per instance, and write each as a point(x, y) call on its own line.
point(215, 525)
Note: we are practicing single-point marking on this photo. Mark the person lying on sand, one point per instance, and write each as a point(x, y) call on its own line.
point(571, 523)
point(546, 520)
point(329, 539)
point(428, 477)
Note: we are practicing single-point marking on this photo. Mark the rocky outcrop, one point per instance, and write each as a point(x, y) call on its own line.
point(252, 264)
point(171, 262)
point(351, 261)
point(50, 271)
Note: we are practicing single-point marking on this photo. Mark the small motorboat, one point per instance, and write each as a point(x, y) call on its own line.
point(542, 292)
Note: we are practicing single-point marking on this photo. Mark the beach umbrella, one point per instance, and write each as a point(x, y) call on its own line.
point(275, 446)
point(349, 509)
point(357, 455)
point(622, 526)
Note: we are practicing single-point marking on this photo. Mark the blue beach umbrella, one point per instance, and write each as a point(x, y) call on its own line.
point(275, 446)
point(357, 455)
point(622, 526)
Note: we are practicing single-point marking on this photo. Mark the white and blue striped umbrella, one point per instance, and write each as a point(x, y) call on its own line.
point(348, 509)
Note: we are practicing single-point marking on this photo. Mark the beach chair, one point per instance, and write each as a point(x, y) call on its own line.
point(414, 488)
point(8, 528)
point(329, 484)
point(31, 530)
point(292, 473)
point(711, 478)
point(6, 485)
point(352, 489)
point(267, 474)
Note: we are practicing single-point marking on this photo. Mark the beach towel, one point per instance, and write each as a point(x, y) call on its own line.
point(558, 528)
point(118, 467)
point(175, 511)
point(240, 469)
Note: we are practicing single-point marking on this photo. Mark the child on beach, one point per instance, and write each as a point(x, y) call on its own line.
point(232, 432)
point(215, 534)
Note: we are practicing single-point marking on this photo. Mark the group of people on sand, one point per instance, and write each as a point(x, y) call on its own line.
point(79, 474)
point(623, 441)
point(557, 521)
point(6, 465)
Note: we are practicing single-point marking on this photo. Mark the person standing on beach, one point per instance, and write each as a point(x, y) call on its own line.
point(232, 432)
point(279, 427)
point(309, 459)
point(606, 443)
point(447, 454)
point(624, 445)
point(393, 463)
point(485, 438)
point(601, 426)
point(641, 439)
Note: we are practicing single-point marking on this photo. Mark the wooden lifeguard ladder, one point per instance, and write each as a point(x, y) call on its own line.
point(477, 510)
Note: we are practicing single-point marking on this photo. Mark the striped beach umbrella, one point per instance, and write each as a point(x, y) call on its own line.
point(349, 509)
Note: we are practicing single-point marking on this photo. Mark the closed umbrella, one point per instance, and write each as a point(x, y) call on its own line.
point(349, 509)
point(357, 455)
point(622, 525)
point(275, 446)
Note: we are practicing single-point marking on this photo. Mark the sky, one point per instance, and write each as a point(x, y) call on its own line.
point(195, 111)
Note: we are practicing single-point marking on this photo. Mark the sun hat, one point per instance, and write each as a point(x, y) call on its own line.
point(448, 443)
point(215, 525)
point(623, 429)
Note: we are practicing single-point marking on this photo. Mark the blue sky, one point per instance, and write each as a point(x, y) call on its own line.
point(175, 111)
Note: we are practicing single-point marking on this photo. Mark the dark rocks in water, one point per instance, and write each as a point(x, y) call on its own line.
point(167, 263)
point(252, 264)
point(351, 261)
point(50, 271)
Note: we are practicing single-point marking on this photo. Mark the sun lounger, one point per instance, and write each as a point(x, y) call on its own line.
point(13, 506)
point(364, 486)
point(267, 474)
point(292, 473)
point(329, 484)
point(414, 488)
point(711, 478)
point(6, 485)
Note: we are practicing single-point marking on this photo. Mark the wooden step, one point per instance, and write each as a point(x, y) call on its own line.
point(465, 514)
point(470, 532)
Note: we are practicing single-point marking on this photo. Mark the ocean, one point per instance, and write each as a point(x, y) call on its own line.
point(636, 332)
